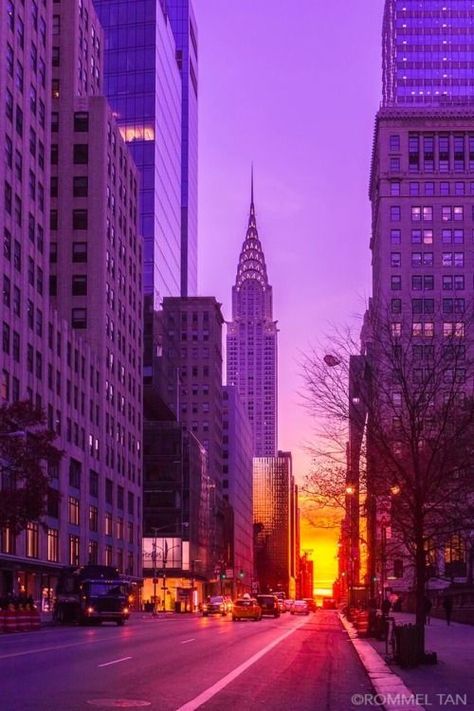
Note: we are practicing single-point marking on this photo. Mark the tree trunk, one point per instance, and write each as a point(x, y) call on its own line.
point(420, 579)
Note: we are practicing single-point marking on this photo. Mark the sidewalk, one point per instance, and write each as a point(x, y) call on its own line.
point(449, 684)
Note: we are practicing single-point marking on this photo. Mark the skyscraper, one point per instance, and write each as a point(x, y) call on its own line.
point(275, 518)
point(94, 507)
point(183, 24)
point(252, 339)
point(428, 52)
point(143, 84)
point(421, 189)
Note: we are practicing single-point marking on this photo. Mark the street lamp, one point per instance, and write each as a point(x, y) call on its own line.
point(193, 562)
point(350, 491)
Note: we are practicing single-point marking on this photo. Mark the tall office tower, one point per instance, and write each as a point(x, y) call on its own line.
point(190, 378)
point(421, 189)
point(427, 52)
point(184, 28)
point(252, 339)
point(95, 250)
point(143, 85)
point(237, 484)
point(43, 358)
point(275, 523)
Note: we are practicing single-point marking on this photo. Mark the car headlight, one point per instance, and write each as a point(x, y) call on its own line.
point(125, 609)
point(204, 607)
point(90, 610)
point(221, 607)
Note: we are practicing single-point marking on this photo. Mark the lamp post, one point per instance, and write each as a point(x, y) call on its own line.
point(193, 562)
point(350, 492)
point(165, 550)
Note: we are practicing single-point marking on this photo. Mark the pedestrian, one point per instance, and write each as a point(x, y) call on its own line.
point(386, 607)
point(427, 605)
point(448, 607)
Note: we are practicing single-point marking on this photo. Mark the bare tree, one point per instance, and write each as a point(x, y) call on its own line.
point(26, 448)
point(414, 401)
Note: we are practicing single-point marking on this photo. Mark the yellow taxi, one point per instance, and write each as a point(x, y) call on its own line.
point(246, 608)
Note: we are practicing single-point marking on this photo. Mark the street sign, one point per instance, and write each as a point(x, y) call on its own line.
point(229, 573)
point(254, 586)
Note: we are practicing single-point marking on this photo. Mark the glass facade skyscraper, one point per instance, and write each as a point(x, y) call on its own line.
point(428, 52)
point(183, 24)
point(143, 84)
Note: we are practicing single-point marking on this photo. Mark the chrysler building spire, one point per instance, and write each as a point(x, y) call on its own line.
point(252, 339)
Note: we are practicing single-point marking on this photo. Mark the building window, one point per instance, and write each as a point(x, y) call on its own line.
point(79, 252)
point(79, 318)
point(394, 143)
point(395, 259)
point(93, 518)
point(81, 122)
point(93, 483)
point(79, 285)
point(74, 474)
point(53, 545)
point(73, 511)
point(395, 236)
point(396, 283)
point(74, 550)
point(395, 188)
point(108, 524)
point(395, 213)
point(32, 540)
point(79, 219)
point(80, 186)
point(81, 153)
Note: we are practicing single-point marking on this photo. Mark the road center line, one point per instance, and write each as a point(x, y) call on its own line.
point(222, 683)
point(185, 641)
point(115, 661)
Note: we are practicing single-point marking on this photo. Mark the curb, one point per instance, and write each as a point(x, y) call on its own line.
point(386, 683)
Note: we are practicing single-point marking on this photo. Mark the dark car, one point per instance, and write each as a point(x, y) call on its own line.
point(215, 605)
point(269, 604)
point(329, 603)
point(311, 603)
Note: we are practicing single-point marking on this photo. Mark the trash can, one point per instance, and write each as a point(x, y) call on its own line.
point(408, 645)
point(177, 606)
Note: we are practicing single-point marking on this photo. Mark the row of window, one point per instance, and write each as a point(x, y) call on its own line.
point(426, 282)
point(426, 259)
point(427, 306)
point(426, 236)
point(425, 213)
point(444, 189)
point(427, 329)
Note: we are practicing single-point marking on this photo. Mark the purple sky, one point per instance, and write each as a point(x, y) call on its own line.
point(293, 86)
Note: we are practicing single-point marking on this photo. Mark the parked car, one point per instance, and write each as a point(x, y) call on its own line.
point(246, 609)
point(288, 603)
point(311, 604)
point(281, 605)
point(269, 605)
point(300, 607)
point(215, 605)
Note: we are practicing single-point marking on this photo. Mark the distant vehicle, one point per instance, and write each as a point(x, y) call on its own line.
point(281, 605)
point(91, 593)
point(299, 607)
point(246, 609)
point(288, 603)
point(329, 603)
point(215, 605)
point(311, 604)
point(269, 604)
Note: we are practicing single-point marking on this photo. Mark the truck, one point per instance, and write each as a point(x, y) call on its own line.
point(91, 594)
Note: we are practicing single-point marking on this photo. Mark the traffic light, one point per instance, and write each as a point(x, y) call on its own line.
point(241, 574)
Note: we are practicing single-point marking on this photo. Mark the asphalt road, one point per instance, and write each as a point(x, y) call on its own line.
point(184, 662)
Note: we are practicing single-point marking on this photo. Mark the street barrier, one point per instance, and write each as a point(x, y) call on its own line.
point(10, 620)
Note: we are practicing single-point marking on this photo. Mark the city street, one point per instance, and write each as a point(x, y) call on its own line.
point(184, 662)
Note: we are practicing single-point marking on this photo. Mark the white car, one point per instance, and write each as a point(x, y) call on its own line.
point(299, 607)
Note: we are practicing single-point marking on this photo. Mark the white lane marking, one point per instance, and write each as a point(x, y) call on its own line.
point(185, 641)
point(50, 649)
point(115, 661)
point(222, 683)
